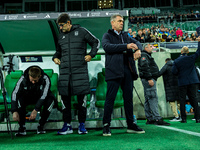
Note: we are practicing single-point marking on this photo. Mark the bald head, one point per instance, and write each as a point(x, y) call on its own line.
point(184, 50)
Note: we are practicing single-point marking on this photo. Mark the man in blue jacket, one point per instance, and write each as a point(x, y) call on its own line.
point(120, 52)
point(184, 67)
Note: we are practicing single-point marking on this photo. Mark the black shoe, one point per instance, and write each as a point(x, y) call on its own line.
point(150, 121)
point(197, 120)
point(134, 128)
point(183, 121)
point(40, 130)
point(160, 122)
point(106, 130)
point(21, 132)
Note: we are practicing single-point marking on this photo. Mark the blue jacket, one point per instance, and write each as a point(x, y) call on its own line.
point(184, 67)
point(114, 45)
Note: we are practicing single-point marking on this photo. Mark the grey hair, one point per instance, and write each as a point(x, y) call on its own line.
point(113, 17)
point(145, 45)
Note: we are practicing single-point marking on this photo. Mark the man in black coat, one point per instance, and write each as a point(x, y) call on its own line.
point(149, 73)
point(71, 55)
point(32, 88)
point(171, 88)
point(140, 37)
point(120, 70)
point(184, 67)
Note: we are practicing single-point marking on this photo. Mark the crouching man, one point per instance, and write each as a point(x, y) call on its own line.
point(33, 88)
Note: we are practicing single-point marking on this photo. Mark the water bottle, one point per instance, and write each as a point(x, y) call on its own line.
point(134, 119)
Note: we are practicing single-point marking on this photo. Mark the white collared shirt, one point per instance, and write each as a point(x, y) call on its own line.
point(117, 32)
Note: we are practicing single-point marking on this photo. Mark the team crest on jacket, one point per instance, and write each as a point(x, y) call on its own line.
point(143, 58)
point(76, 33)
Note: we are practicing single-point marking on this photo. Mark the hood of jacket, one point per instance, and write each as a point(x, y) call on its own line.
point(26, 72)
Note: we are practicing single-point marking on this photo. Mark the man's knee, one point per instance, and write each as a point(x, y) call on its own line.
point(151, 94)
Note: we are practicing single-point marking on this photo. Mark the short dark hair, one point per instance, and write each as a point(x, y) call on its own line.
point(168, 59)
point(64, 18)
point(34, 72)
point(113, 17)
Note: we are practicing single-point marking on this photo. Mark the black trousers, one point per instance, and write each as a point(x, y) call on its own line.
point(126, 84)
point(191, 92)
point(66, 108)
point(32, 100)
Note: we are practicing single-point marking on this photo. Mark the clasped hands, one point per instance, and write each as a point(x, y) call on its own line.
point(137, 54)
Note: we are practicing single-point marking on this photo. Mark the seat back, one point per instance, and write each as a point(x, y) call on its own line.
point(101, 92)
point(54, 81)
point(11, 81)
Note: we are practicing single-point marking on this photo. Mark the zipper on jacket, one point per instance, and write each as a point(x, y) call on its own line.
point(70, 74)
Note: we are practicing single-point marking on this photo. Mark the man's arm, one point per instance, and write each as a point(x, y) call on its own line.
point(163, 70)
point(15, 94)
point(197, 53)
point(45, 91)
point(57, 55)
point(139, 45)
point(116, 48)
point(112, 48)
point(174, 69)
point(93, 42)
point(144, 68)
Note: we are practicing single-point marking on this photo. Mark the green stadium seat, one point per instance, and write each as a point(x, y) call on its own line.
point(12, 79)
point(9, 84)
point(101, 92)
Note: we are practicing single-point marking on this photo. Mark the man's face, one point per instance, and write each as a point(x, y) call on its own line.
point(65, 27)
point(139, 32)
point(149, 48)
point(117, 24)
point(34, 80)
point(130, 31)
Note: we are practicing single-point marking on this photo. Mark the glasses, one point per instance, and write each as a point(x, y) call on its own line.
point(61, 25)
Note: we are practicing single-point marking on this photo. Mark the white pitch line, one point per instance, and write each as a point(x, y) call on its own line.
point(180, 130)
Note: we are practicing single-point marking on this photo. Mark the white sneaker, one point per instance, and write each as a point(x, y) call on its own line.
point(21, 132)
point(175, 119)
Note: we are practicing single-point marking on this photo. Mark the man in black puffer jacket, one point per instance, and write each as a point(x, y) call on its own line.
point(149, 72)
point(32, 88)
point(71, 55)
point(171, 88)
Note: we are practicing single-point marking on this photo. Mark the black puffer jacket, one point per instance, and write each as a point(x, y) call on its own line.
point(148, 68)
point(170, 82)
point(72, 49)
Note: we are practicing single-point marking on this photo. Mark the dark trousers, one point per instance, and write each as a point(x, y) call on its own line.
point(126, 84)
point(24, 102)
point(66, 108)
point(191, 92)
